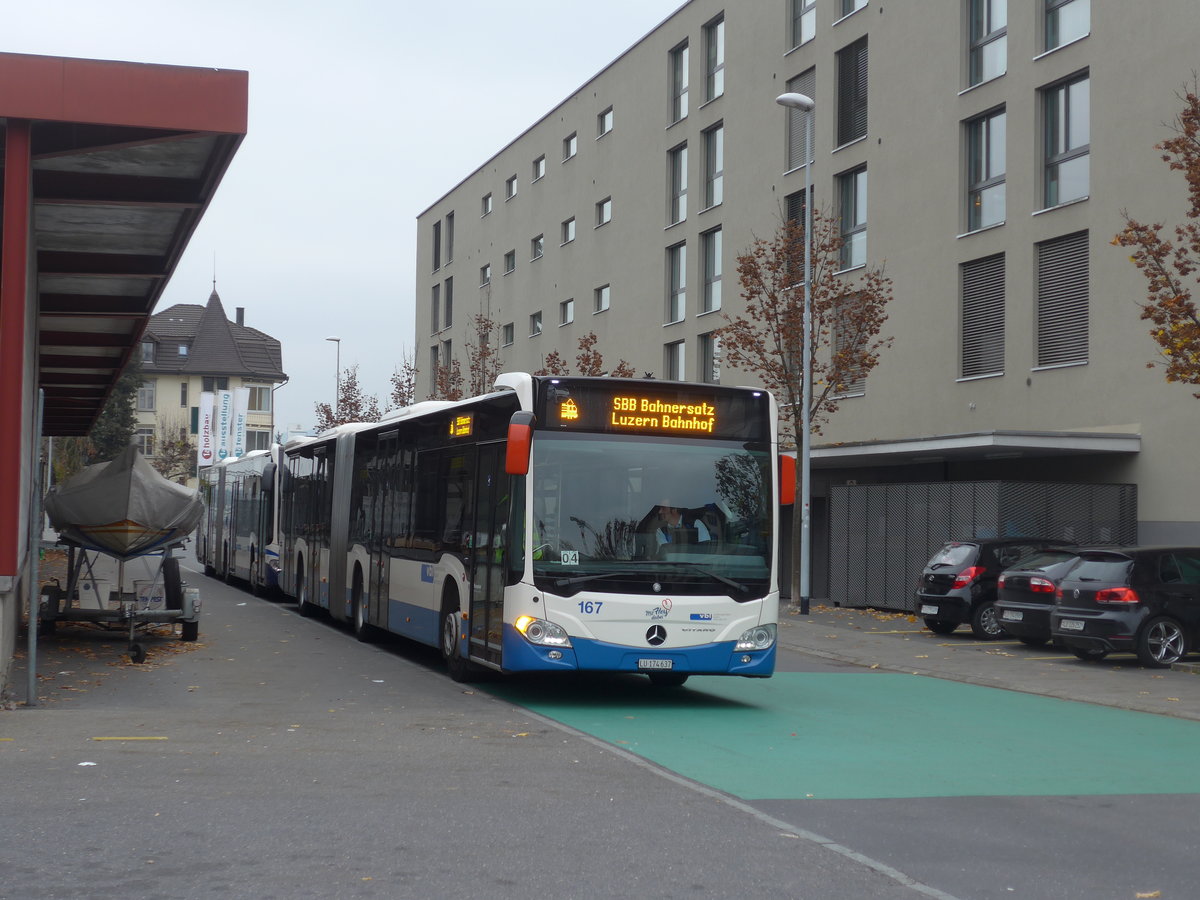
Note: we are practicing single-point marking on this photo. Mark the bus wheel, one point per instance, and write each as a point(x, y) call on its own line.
point(362, 628)
point(302, 605)
point(459, 668)
point(667, 679)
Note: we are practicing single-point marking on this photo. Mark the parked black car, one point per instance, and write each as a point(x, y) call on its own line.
point(959, 583)
point(1025, 593)
point(1144, 599)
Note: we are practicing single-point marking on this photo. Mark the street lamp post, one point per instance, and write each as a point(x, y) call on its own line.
point(806, 105)
point(337, 395)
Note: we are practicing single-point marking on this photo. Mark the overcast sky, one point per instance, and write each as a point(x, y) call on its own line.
point(362, 114)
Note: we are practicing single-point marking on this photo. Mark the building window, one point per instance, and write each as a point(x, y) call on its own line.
point(437, 246)
point(846, 341)
point(448, 305)
point(568, 230)
point(506, 334)
point(679, 82)
point(485, 205)
point(143, 439)
point(985, 170)
point(676, 283)
point(211, 383)
point(535, 324)
point(604, 212)
point(600, 298)
point(983, 317)
point(260, 399)
point(447, 354)
point(435, 308)
point(710, 247)
point(852, 92)
point(714, 165)
point(539, 167)
point(449, 237)
point(434, 362)
point(849, 6)
point(510, 188)
point(852, 197)
point(183, 393)
point(510, 261)
point(146, 396)
point(1066, 21)
point(989, 40)
point(485, 274)
point(148, 351)
point(570, 146)
point(258, 439)
point(677, 169)
point(710, 358)
point(1062, 301)
point(803, 22)
point(604, 122)
point(1067, 115)
point(798, 120)
point(566, 312)
point(537, 247)
point(673, 361)
point(714, 59)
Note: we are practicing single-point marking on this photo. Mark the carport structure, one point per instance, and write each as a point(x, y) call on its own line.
point(107, 169)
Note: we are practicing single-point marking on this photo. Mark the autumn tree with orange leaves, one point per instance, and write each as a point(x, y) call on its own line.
point(590, 361)
point(848, 314)
point(353, 404)
point(1171, 265)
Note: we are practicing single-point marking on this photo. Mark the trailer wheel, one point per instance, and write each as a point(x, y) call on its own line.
point(189, 631)
point(137, 653)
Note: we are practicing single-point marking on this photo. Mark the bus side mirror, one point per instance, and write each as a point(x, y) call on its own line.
point(520, 441)
point(787, 480)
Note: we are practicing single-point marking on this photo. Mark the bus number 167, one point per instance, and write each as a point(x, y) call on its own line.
point(590, 607)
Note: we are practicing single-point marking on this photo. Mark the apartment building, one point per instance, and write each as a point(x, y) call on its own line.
point(191, 348)
point(982, 151)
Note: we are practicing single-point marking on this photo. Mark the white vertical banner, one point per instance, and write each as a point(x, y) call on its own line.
point(206, 450)
point(241, 404)
point(224, 424)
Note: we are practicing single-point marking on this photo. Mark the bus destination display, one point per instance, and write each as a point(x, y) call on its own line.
point(651, 414)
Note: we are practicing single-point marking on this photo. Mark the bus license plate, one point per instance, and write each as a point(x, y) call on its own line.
point(655, 663)
point(1071, 625)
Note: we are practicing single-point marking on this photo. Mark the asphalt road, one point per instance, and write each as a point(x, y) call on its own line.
point(279, 757)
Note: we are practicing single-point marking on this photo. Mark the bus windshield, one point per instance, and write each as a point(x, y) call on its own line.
point(650, 514)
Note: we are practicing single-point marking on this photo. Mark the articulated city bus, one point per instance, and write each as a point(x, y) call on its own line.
point(236, 538)
point(556, 524)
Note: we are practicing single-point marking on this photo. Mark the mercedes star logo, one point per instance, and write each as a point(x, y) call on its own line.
point(656, 635)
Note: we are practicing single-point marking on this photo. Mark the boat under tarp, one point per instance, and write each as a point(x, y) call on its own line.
point(123, 508)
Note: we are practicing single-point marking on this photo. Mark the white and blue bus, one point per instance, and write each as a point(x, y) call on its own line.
point(555, 524)
point(236, 538)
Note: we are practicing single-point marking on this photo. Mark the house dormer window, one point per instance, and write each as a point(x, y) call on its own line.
point(183, 349)
point(147, 351)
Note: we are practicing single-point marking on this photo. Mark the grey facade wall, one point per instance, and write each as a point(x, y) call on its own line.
point(916, 158)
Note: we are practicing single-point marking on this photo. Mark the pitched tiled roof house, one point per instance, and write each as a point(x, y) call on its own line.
point(188, 349)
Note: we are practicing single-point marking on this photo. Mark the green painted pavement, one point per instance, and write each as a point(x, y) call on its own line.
point(876, 735)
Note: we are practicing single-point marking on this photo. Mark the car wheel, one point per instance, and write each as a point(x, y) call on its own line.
point(985, 624)
point(938, 627)
point(1089, 654)
point(1160, 643)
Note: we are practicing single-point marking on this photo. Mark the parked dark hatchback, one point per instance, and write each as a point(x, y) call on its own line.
point(1025, 594)
point(1144, 599)
point(959, 583)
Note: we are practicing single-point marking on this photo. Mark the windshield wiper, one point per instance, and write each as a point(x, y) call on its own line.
point(580, 579)
point(728, 582)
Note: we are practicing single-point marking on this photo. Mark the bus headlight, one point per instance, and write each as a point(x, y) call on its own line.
point(760, 637)
point(541, 632)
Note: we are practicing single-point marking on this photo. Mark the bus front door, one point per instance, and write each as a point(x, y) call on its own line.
point(487, 554)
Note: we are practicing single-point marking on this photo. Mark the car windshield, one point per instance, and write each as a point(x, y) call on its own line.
point(953, 556)
point(1043, 559)
point(639, 515)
